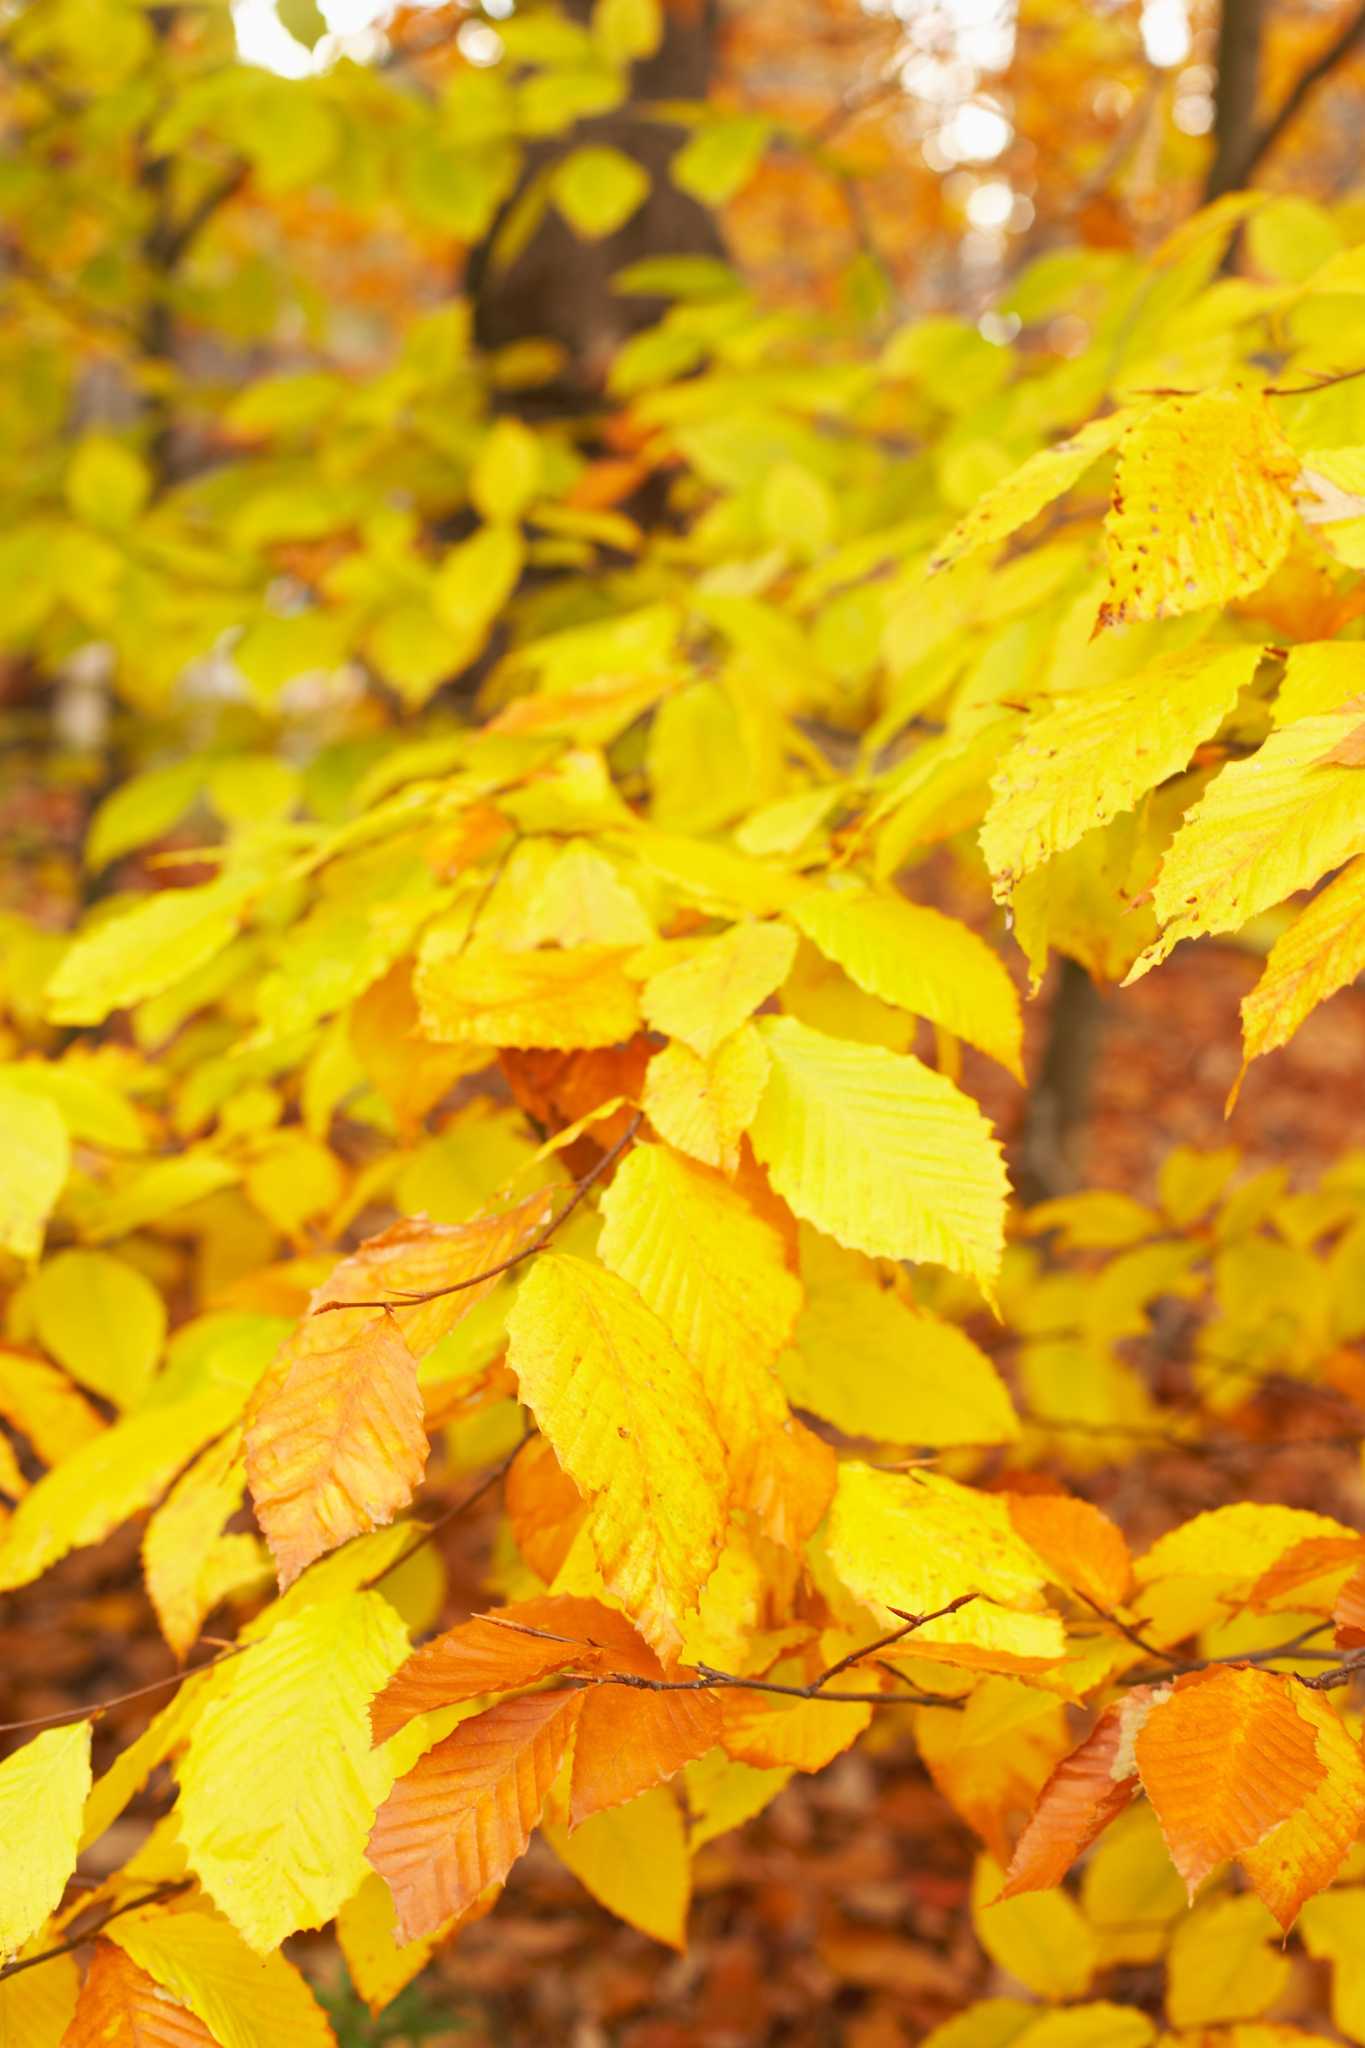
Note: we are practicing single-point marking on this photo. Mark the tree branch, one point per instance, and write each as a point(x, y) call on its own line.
point(75, 1941)
point(529, 1251)
point(1305, 85)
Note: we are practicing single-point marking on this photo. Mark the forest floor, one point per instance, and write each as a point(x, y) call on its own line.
point(840, 1915)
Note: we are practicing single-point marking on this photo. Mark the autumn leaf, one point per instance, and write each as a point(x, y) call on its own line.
point(1224, 1760)
point(496, 1652)
point(628, 1416)
point(335, 1441)
point(1087, 1790)
point(463, 1815)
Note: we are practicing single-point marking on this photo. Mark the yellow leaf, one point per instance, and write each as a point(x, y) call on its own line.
point(128, 1773)
point(244, 1999)
point(1221, 1966)
point(991, 1759)
point(1094, 752)
point(44, 1406)
point(797, 1735)
point(634, 1860)
point(1203, 508)
point(1041, 1938)
point(179, 1538)
point(1304, 1853)
point(916, 1541)
point(703, 1107)
point(1264, 828)
point(1022, 495)
point(378, 1964)
point(43, 1789)
point(921, 961)
point(569, 997)
point(722, 1794)
point(1333, 1927)
point(710, 993)
point(37, 1155)
point(335, 1438)
point(457, 1822)
point(142, 951)
point(109, 1478)
point(627, 1414)
point(1322, 951)
point(865, 1360)
point(1225, 1758)
point(102, 1320)
point(1193, 1574)
point(288, 1721)
point(714, 1274)
point(37, 2007)
point(1100, 2025)
point(1129, 1890)
point(989, 2023)
point(880, 1152)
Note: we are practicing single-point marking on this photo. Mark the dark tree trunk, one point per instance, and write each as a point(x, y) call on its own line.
point(1241, 31)
point(560, 286)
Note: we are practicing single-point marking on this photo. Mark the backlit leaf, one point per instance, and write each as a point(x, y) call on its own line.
point(1092, 753)
point(915, 957)
point(1322, 951)
point(635, 1861)
point(1226, 1758)
point(1203, 505)
point(461, 1817)
point(43, 1788)
point(37, 1157)
point(142, 951)
point(709, 993)
point(289, 1719)
point(120, 2006)
point(574, 996)
point(102, 1320)
point(1087, 1790)
point(335, 1442)
point(703, 1107)
point(715, 1275)
point(496, 1652)
point(245, 2000)
point(628, 1416)
point(878, 1150)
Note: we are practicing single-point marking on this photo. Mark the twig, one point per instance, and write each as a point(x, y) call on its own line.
point(1292, 105)
point(909, 1624)
point(118, 1699)
point(537, 1244)
point(75, 1941)
point(451, 1514)
point(1327, 1681)
point(1133, 1635)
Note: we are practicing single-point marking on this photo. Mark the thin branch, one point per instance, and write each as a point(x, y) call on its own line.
point(451, 1514)
point(909, 1624)
point(1305, 85)
point(537, 1244)
point(118, 1699)
point(1327, 1681)
point(1133, 1635)
point(75, 1941)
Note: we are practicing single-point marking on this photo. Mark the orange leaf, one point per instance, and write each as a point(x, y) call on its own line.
point(1304, 1854)
point(1085, 1792)
point(543, 1506)
point(461, 1817)
point(120, 2006)
point(334, 1440)
point(1349, 1612)
point(630, 1739)
point(1302, 1565)
point(1079, 1544)
point(486, 1654)
point(1226, 1758)
point(416, 1257)
point(800, 1735)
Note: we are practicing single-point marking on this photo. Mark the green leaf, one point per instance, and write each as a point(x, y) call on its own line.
point(145, 950)
point(597, 189)
point(721, 157)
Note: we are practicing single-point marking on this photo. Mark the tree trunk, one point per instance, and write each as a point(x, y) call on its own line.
point(1241, 31)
